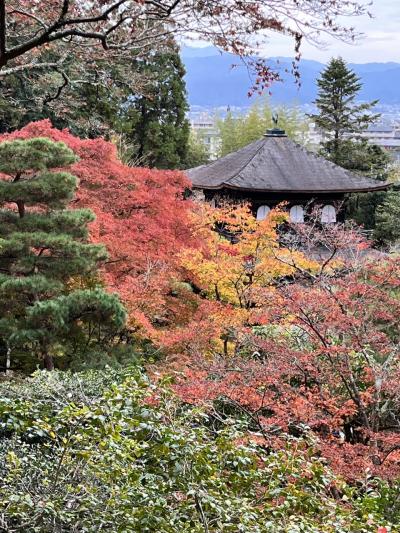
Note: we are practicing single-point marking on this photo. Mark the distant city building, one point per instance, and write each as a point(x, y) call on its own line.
point(385, 135)
point(315, 137)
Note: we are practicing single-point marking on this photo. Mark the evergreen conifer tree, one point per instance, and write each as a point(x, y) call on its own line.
point(155, 123)
point(89, 109)
point(43, 247)
point(342, 120)
point(339, 116)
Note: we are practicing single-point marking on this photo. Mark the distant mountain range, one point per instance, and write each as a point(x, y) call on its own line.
point(212, 82)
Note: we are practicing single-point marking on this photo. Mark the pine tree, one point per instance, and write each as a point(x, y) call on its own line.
point(342, 120)
point(339, 115)
point(43, 248)
point(155, 122)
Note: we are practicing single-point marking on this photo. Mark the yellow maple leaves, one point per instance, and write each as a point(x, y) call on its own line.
point(237, 255)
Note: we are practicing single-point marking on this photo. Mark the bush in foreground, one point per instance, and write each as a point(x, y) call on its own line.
point(111, 452)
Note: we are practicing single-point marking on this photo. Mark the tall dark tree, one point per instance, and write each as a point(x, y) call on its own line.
point(43, 250)
point(339, 115)
point(142, 101)
point(158, 128)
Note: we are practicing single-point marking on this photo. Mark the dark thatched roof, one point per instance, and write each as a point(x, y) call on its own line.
point(277, 164)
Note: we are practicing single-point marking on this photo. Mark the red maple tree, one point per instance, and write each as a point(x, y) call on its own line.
point(318, 355)
point(141, 217)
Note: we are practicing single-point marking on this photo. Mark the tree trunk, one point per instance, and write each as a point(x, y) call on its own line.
point(20, 203)
point(336, 148)
point(8, 360)
point(21, 208)
point(48, 362)
point(226, 347)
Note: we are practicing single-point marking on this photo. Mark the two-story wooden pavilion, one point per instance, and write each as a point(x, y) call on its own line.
point(275, 169)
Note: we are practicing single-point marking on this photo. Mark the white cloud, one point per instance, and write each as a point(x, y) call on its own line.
point(380, 41)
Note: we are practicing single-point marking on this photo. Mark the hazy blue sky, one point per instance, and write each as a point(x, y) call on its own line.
point(381, 41)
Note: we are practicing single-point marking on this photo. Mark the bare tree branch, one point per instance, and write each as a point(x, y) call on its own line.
point(29, 66)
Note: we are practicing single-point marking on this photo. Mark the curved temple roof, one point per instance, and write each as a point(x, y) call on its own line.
point(277, 164)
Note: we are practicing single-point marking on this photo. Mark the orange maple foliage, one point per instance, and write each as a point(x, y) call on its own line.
point(236, 260)
point(322, 356)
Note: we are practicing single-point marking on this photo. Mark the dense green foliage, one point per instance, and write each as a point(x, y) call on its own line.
point(43, 253)
point(237, 132)
point(197, 153)
point(372, 161)
point(388, 216)
point(155, 122)
point(109, 451)
point(368, 159)
point(362, 208)
point(89, 107)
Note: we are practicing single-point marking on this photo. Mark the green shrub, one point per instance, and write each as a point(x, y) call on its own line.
point(109, 451)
